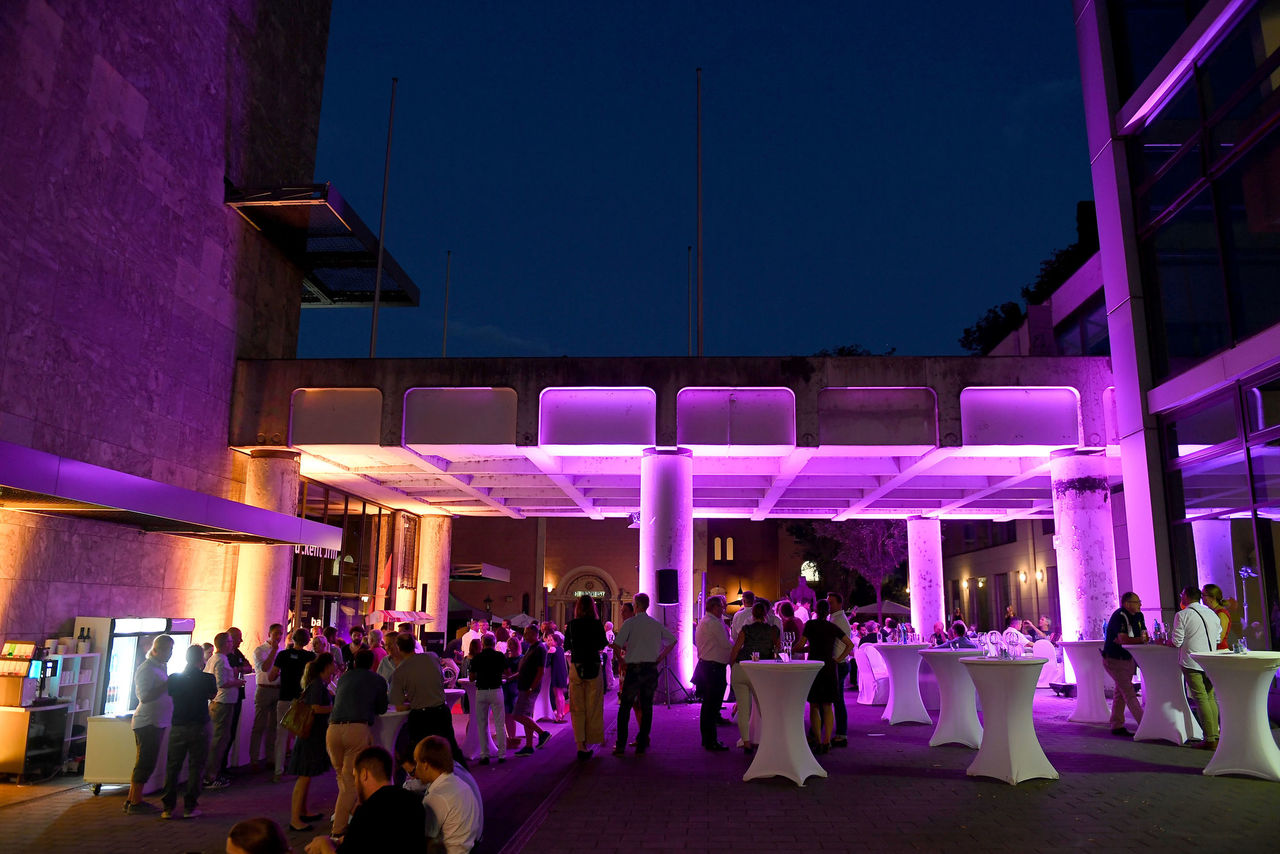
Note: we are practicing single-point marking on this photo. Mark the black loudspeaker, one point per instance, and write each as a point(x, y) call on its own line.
point(668, 587)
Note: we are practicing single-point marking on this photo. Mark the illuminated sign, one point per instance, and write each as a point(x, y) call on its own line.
point(316, 551)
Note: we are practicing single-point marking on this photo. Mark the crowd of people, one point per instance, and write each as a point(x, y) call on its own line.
point(314, 708)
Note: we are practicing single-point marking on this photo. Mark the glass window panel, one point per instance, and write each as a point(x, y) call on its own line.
point(1172, 185)
point(1097, 337)
point(1261, 602)
point(1244, 51)
point(1142, 32)
point(1213, 486)
point(1067, 337)
point(1209, 425)
point(1266, 472)
point(1181, 266)
point(1262, 405)
point(1249, 198)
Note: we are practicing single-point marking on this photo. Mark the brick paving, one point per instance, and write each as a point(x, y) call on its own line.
point(888, 792)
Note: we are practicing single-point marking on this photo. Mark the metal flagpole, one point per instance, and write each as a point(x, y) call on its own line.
point(699, 211)
point(382, 224)
point(448, 265)
point(688, 300)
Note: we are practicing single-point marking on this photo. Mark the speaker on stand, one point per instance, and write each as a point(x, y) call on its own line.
point(669, 595)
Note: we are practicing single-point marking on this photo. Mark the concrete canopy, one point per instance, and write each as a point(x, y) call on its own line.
point(832, 438)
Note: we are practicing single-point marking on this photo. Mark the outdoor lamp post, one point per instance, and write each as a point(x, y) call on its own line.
point(488, 608)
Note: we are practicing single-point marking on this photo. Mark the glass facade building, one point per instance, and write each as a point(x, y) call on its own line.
point(1182, 100)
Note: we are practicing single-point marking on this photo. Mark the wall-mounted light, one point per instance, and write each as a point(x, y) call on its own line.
point(982, 582)
point(1039, 575)
point(965, 584)
point(1022, 576)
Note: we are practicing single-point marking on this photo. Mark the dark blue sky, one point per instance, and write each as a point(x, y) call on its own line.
point(873, 173)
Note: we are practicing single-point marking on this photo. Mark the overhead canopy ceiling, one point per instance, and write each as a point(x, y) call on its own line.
point(33, 481)
point(877, 454)
point(316, 229)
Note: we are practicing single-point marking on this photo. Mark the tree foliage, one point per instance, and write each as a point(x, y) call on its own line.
point(854, 350)
point(1000, 320)
point(992, 328)
point(869, 551)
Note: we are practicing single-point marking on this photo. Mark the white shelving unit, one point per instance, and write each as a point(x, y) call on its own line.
point(77, 685)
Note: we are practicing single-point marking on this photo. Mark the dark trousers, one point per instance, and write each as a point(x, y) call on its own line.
point(842, 712)
point(424, 722)
point(189, 743)
point(637, 692)
point(711, 688)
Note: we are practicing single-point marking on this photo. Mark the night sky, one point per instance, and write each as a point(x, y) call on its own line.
point(873, 173)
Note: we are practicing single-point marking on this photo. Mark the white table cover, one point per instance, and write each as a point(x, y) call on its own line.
point(957, 699)
point(1010, 750)
point(1245, 745)
point(1166, 714)
point(903, 663)
point(782, 687)
point(386, 727)
point(1091, 697)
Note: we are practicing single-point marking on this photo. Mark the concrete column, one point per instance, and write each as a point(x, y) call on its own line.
point(1085, 543)
point(264, 573)
point(924, 573)
point(666, 542)
point(435, 556)
point(1215, 563)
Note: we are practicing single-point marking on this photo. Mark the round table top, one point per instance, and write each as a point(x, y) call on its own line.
point(781, 666)
point(1083, 643)
point(966, 652)
point(1251, 660)
point(881, 647)
point(1003, 662)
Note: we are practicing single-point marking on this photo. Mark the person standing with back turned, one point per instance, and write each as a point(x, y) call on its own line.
point(645, 643)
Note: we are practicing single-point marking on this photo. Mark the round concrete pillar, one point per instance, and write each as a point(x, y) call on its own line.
point(435, 539)
point(924, 573)
point(264, 574)
point(666, 542)
point(1084, 542)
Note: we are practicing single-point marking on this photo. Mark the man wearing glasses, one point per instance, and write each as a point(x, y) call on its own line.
point(1127, 626)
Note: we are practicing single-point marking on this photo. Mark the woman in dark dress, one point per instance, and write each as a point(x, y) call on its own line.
point(558, 669)
point(584, 638)
point(827, 643)
point(310, 758)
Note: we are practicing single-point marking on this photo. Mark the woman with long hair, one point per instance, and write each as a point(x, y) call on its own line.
point(310, 757)
point(510, 687)
point(1211, 596)
point(585, 640)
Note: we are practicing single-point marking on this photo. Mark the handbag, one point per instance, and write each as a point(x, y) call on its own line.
point(299, 718)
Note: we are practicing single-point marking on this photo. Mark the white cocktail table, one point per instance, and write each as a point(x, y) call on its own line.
point(957, 699)
point(1010, 750)
point(1245, 745)
point(1091, 697)
point(903, 663)
point(781, 689)
point(1166, 714)
point(386, 727)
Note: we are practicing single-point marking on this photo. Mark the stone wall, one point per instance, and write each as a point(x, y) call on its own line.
point(130, 289)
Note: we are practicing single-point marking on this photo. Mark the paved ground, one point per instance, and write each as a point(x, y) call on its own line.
point(888, 792)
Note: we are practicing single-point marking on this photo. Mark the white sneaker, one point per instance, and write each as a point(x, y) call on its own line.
point(740, 743)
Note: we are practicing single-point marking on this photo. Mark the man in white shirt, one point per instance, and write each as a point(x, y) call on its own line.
point(714, 648)
point(1196, 628)
point(150, 719)
point(743, 615)
point(222, 709)
point(454, 812)
point(265, 698)
point(475, 631)
point(644, 642)
point(840, 621)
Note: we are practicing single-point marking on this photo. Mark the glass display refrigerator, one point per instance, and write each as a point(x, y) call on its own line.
point(124, 643)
